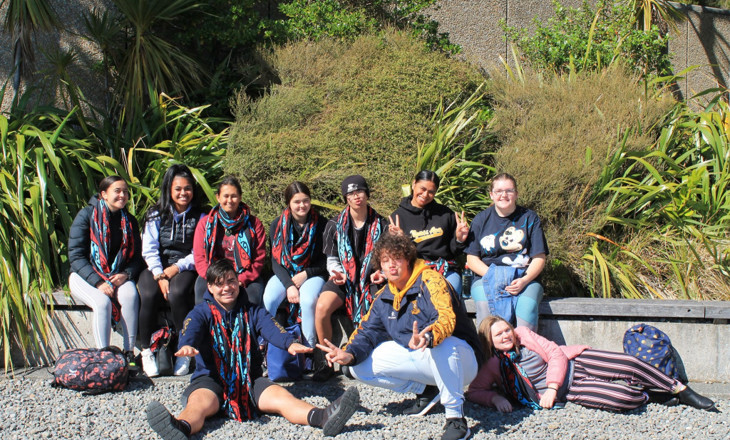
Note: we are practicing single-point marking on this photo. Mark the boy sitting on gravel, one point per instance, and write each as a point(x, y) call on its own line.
point(416, 338)
point(222, 333)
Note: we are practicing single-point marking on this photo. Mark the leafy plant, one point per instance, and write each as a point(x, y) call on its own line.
point(141, 60)
point(46, 168)
point(325, 18)
point(585, 38)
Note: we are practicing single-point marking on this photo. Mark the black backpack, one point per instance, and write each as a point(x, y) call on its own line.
point(92, 370)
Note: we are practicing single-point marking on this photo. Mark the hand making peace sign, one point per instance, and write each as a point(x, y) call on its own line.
point(462, 227)
point(394, 227)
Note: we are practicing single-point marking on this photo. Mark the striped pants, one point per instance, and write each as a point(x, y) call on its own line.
point(595, 372)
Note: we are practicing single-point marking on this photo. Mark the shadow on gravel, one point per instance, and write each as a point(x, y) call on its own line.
point(492, 421)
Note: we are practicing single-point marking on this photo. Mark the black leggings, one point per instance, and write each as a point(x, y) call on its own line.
point(181, 298)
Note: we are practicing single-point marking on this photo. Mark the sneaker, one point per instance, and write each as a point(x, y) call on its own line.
point(456, 429)
point(424, 402)
point(339, 412)
point(182, 366)
point(164, 424)
point(149, 365)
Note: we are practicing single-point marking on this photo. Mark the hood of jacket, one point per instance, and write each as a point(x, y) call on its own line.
point(418, 267)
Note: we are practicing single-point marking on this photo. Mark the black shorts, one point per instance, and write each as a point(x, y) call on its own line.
point(208, 383)
point(340, 290)
point(332, 287)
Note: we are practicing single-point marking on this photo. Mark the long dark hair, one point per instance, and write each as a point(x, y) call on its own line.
point(232, 181)
point(162, 208)
point(107, 182)
point(428, 175)
point(293, 189)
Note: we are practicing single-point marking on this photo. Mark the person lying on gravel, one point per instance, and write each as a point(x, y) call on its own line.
point(533, 371)
point(222, 333)
point(416, 338)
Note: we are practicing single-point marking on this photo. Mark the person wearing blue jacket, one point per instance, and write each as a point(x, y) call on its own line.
point(222, 333)
point(416, 337)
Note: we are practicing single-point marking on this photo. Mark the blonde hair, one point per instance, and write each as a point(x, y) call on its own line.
point(485, 334)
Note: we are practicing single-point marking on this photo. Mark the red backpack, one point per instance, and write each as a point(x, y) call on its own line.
point(92, 370)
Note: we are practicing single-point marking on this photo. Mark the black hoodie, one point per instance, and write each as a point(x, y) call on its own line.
point(431, 229)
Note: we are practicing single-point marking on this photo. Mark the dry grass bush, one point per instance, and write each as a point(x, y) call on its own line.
point(557, 134)
point(342, 108)
point(684, 267)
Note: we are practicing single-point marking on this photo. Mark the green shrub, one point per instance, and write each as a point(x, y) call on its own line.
point(342, 108)
point(558, 134)
point(585, 38)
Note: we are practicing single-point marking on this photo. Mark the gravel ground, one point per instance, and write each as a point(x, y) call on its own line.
point(31, 409)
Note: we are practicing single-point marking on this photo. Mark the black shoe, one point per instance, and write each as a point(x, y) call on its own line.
point(424, 402)
point(347, 372)
point(163, 423)
point(322, 372)
point(339, 412)
point(456, 429)
point(691, 398)
point(666, 399)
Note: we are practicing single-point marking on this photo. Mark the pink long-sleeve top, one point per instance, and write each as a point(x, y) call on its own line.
point(258, 251)
point(484, 387)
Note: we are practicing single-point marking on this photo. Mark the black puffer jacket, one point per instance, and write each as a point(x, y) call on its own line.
point(79, 245)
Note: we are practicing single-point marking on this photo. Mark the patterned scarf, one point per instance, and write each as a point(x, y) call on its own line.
point(441, 265)
point(240, 227)
point(294, 256)
point(358, 298)
point(515, 380)
point(100, 243)
point(232, 354)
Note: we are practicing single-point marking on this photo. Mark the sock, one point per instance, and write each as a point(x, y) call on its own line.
point(315, 417)
point(185, 427)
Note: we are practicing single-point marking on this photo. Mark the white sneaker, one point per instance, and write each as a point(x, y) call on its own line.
point(182, 366)
point(148, 363)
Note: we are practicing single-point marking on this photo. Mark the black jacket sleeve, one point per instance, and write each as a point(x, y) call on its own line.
point(79, 242)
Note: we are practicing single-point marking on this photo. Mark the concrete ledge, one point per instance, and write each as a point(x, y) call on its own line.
point(590, 308)
point(699, 329)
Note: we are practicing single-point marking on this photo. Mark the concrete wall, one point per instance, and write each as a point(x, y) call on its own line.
point(474, 24)
point(700, 342)
point(702, 346)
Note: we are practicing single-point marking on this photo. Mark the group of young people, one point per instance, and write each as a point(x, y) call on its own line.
point(397, 278)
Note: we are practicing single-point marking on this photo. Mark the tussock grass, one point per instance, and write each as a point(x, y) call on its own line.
point(558, 134)
point(342, 108)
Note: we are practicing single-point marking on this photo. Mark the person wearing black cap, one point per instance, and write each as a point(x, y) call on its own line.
point(349, 239)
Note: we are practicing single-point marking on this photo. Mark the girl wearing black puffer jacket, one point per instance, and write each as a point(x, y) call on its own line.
point(105, 254)
point(439, 233)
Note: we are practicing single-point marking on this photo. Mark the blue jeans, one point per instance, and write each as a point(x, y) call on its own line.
point(275, 293)
point(454, 278)
point(526, 308)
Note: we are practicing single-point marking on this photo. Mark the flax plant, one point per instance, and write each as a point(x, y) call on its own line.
point(457, 153)
point(45, 168)
point(676, 192)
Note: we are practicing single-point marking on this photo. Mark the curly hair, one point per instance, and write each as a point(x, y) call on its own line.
point(394, 246)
